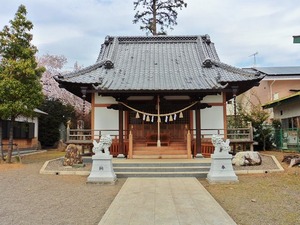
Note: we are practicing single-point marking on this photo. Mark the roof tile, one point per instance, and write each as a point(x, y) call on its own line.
point(158, 63)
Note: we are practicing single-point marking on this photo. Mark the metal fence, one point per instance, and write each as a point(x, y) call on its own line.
point(287, 139)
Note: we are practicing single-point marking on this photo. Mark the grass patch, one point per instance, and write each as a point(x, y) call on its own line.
point(263, 199)
point(42, 157)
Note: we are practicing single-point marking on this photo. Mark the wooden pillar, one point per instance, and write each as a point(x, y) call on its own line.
point(68, 130)
point(189, 142)
point(130, 146)
point(121, 128)
point(198, 133)
point(225, 115)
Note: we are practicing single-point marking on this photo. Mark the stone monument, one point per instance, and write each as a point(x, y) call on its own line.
point(102, 169)
point(72, 156)
point(221, 170)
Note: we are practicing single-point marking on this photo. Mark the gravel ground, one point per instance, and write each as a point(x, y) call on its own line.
point(28, 197)
point(268, 164)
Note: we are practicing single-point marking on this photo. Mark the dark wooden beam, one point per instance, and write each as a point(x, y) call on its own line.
point(121, 128)
point(198, 132)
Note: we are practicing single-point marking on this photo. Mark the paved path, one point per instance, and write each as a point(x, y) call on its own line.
point(165, 201)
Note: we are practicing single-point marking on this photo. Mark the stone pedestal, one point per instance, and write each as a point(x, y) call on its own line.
point(102, 170)
point(221, 170)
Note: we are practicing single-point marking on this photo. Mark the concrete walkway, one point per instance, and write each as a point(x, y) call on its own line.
point(165, 201)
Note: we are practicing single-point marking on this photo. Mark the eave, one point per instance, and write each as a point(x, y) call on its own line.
point(277, 102)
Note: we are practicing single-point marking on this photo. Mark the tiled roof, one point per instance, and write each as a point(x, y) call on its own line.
point(158, 63)
point(279, 71)
point(281, 100)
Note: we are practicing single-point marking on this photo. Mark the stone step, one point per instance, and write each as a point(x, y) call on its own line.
point(162, 169)
point(164, 164)
point(159, 168)
point(172, 168)
point(201, 174)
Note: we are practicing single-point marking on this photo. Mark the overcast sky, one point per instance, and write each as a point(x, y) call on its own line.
point(239, 28)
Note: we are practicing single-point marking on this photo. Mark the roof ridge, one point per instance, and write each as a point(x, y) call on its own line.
point(86, 69)
point(233, 68)
point(158, 38)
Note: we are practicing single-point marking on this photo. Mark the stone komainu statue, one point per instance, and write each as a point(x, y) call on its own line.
point(220, 145)
point(102, 147)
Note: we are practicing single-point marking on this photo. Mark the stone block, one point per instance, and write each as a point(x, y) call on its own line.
point(247, 158)
point(102, 170)
point(221, 170)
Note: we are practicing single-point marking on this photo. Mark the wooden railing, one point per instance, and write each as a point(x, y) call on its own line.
point(88, 135)
point(85, 137)
point(234, 134)
point(237, 136)
point(240, 134)
point(114, 148)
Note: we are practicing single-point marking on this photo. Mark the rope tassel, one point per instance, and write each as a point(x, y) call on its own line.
point(151, 114)
point(180, 115)
point(137, 116)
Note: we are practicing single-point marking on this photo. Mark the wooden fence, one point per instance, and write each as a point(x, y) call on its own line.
point(239, 138)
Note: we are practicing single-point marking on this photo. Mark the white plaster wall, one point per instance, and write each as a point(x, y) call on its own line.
point(213, 99)
point(211, 118)
point(106, 119)
point(291, 109)
point(105, 100)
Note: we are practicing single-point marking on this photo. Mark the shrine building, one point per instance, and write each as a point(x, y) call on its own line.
point(158, 96)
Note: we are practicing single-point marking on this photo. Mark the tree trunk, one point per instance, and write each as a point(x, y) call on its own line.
point(11, 138)
point(1, 149)
point(153, 25)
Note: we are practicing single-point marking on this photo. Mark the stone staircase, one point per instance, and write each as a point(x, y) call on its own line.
point(161, 168)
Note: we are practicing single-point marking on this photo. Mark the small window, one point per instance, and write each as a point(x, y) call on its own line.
point(276, 96)
point(284, 123)
point(22, 130)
